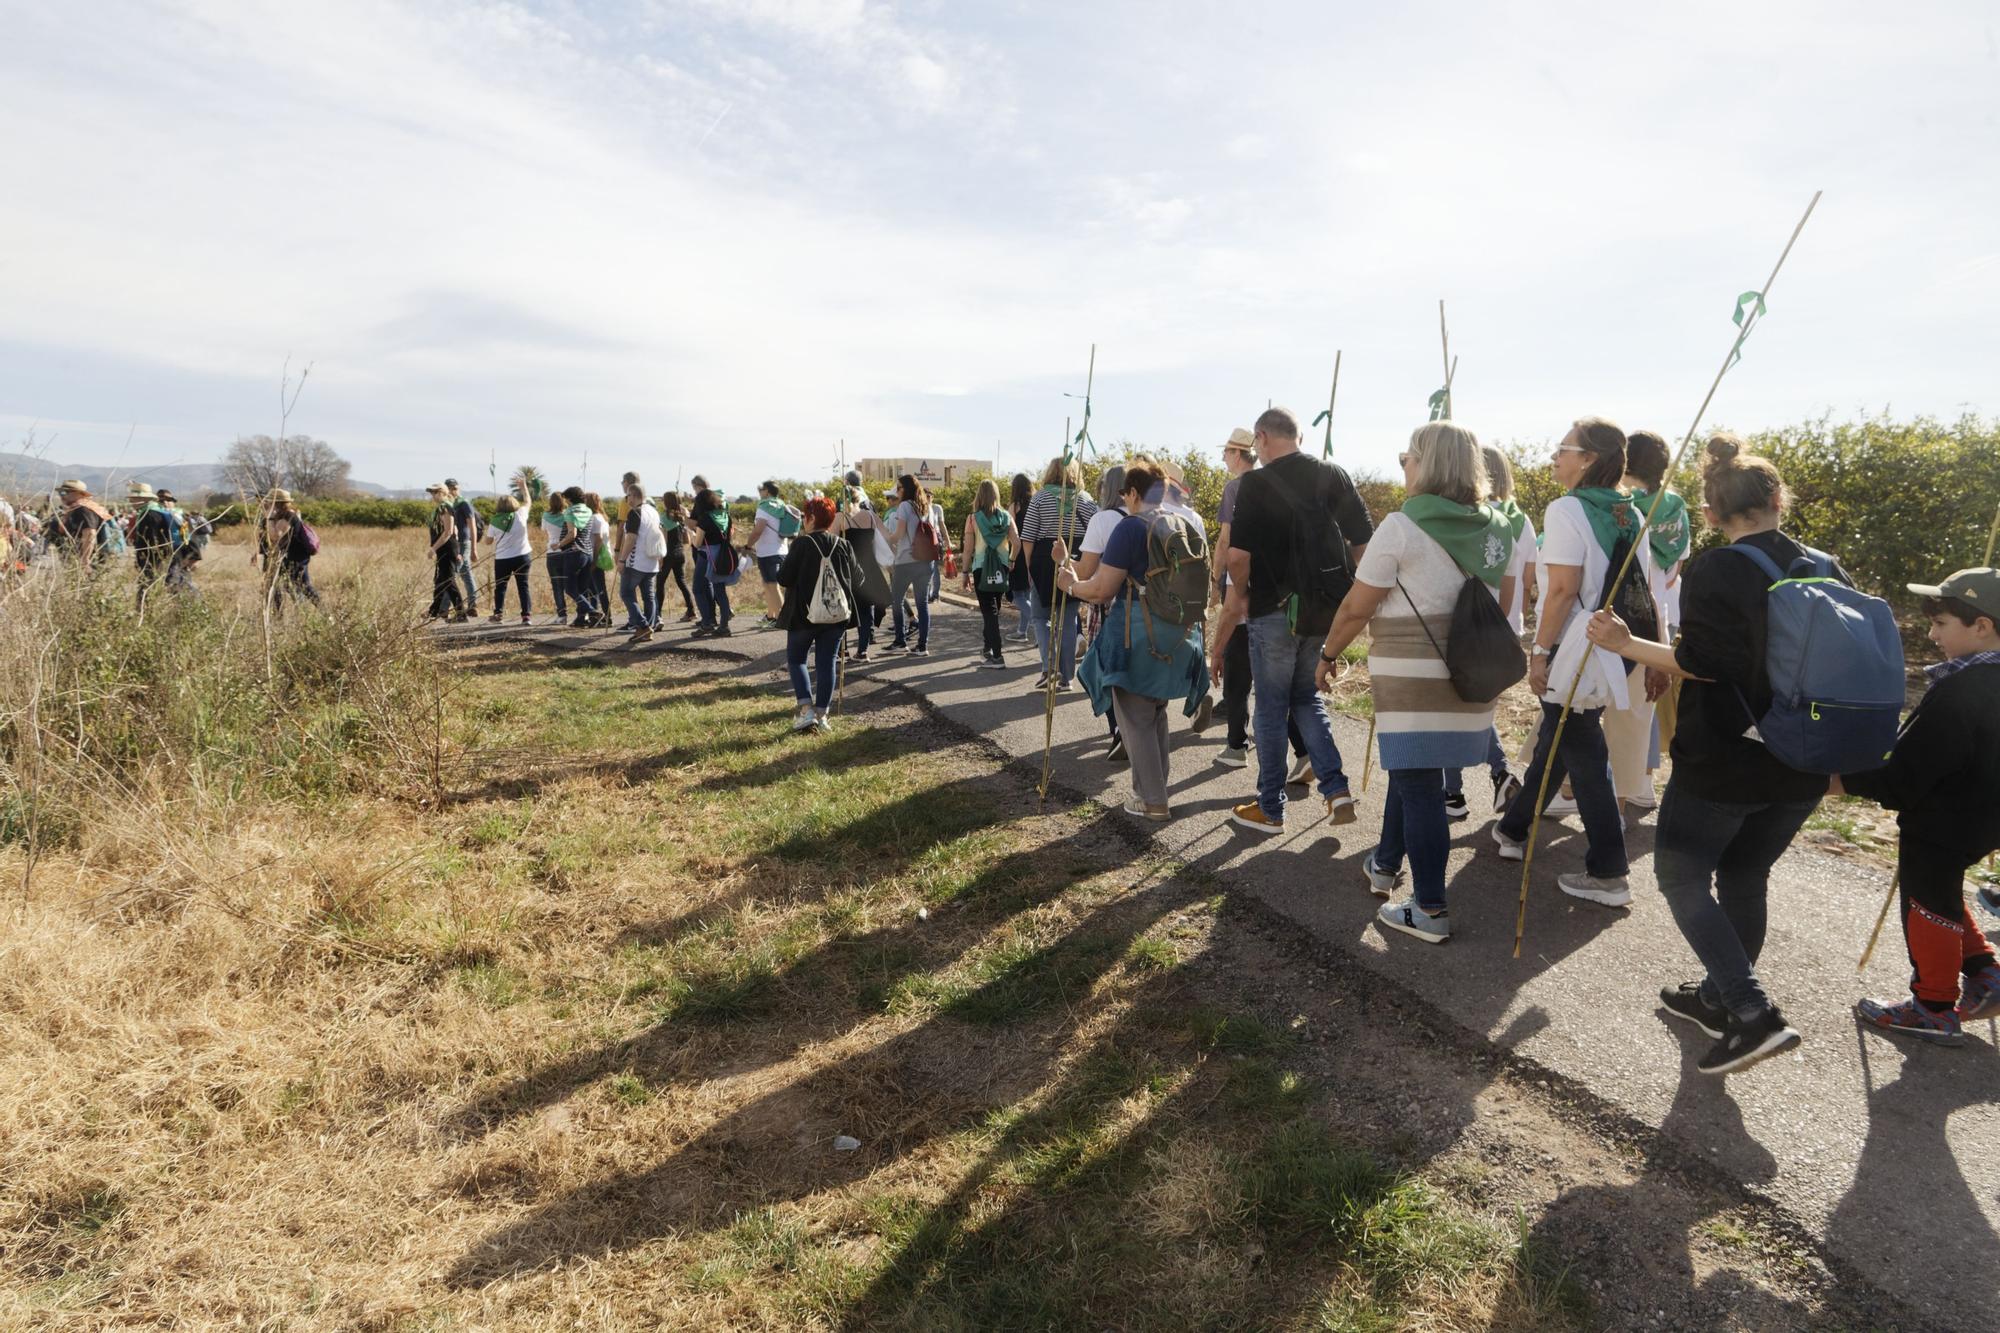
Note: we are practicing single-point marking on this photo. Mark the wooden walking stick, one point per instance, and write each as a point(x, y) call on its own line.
point(1326, 450)
point(1895, 883)
point(1066, 523)
point(1368, 753)
point(1749, 310)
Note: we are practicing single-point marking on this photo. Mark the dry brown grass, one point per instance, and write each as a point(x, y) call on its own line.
point(571, 1050)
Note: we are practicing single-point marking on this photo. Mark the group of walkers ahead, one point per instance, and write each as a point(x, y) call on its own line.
point(164, 540)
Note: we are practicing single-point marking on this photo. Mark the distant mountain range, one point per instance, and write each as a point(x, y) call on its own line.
point(24, 474)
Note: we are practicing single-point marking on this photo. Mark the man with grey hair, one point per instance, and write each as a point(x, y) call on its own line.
point(1297, 530)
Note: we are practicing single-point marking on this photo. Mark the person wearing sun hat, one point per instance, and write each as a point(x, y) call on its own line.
point(151, 537)
point(78, 530)
point(1943, 780)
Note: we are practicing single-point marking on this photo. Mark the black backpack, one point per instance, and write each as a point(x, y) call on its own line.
point(1485, 655)
point(1321, 574)
point(1633, 600)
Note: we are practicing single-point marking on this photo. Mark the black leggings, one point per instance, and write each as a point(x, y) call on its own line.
point(989, 619)
point(675, 564)
point(514, 567)
point(446, 595)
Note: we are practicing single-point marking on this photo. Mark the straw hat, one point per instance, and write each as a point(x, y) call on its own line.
point(1240, 439)
point(138, 491)
point(73, 486)
point(279, 496)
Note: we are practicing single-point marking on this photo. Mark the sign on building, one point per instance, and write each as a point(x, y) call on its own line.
point(930, 471)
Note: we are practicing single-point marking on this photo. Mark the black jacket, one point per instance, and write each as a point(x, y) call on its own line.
point(799, 576)
point(1943, 777)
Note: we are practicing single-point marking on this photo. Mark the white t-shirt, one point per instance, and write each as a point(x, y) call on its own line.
point(647, 535)
point(595, 534)
point(1524, 555)
point(1098, 535)
point(937, 523)
point(764, 537)
point(899, 525)
point(512, 543)
point(1400, 551)
point(552, 531)
point(1568, 539)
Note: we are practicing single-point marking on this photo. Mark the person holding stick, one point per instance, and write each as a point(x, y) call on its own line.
point(1521, 531)
point(1943, 780)
point(1585, 536)
point(1731, 807)
point(1297, 529)
point(1059, 509)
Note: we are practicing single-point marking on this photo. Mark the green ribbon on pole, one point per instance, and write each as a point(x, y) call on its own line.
point(1743, 304)
point(1441, 405)
point(1082, 440)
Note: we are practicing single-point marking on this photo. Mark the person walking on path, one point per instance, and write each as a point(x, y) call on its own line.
point(1296, 531)
point(1521, 531)
point(285, 553)
point(153, 538)
point(1409, 582)
point(773, 523)
point(917, 546)
point(78, 531)
point(641, 547)
point(508, 531)
point(1153, 571)
point(946, 551)
point(603, 557)
point(1731, 807)
point(817, 554)
point(1021, 493)
point(1058, 508)
point(466, 519)
point(1943, 780)
point(555, 559)
point(579, 558)
point(1239, 455)
point(989, 543)
point(863, 529)
point(1628, 731)
point(720, 564)
point(673, 526)
point(447, 597)
point(1096, 536)
point(1668, 540)
point(1581, 532)
point(704, 591)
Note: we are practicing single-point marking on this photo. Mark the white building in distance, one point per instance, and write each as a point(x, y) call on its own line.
point(930, 471)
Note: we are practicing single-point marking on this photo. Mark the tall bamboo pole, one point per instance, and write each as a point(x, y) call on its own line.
point(1745, 323)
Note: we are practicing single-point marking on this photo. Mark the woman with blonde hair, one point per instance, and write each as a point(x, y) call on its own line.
point(1059, 510)
point(1406, 590)
point(507, 530)
point(989, 563)
point(911, 571)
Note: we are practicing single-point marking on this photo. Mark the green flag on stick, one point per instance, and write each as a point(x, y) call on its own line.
point(1327, 416)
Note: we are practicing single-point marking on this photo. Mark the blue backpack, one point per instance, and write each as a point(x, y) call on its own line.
point(1835, 662)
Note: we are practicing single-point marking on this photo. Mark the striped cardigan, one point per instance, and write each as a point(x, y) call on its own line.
point(1420, 722)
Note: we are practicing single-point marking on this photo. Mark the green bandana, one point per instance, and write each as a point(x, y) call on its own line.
point(993, 531)
point(1669, 534)
point(503, 519)
point(1476, 536)
point(577, 516)
point(1610, 512)
point(1517, 517)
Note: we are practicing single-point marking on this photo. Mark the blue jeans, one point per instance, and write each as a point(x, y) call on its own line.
point(641, 610)
point(908, 578)
point(1066, 645)
point(1023, 612)
point(821, 641)
point(581, 575)
point(465, 558)
point(937, 581)
point(558, 566)
point(1496, 764)
point(1413, 824)
point(1713, 861)
point(704, 591)
point(1281, 674)
point(864, 624)
point(1586, 761)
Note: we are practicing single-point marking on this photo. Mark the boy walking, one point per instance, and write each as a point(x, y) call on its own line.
point(1943, 779)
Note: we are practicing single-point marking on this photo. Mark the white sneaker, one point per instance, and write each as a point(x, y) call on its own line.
point(822, 723)
point(1510, 849)
point(1558, 806)
point(802, 719)
point(1302, 772)
point(1340, 809)
point(1230, 757)
point(1413, 920)
point(1455, 807)
point(1612, 892)
point(1380, 882)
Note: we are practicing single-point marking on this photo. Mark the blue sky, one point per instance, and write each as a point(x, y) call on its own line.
point(722, 235)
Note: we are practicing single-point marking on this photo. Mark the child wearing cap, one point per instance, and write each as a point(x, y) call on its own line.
point(1943, 779)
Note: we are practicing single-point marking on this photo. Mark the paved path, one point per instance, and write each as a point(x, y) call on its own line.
point(1889, 1153)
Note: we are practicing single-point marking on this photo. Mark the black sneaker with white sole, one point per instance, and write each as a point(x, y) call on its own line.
point(1455, 807)
point(1505, 788)
point(1687, 1003)
point(1744, 1044)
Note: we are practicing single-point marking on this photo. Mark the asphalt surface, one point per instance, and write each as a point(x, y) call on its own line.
point(1886, 1151)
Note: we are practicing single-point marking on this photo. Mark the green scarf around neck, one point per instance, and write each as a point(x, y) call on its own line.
point(1610, 513)
point(503, 519)
point(1517, 517)
point(1476, 536)
point(1670, 534)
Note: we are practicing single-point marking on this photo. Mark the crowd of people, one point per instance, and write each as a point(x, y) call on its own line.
point(164, 540)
